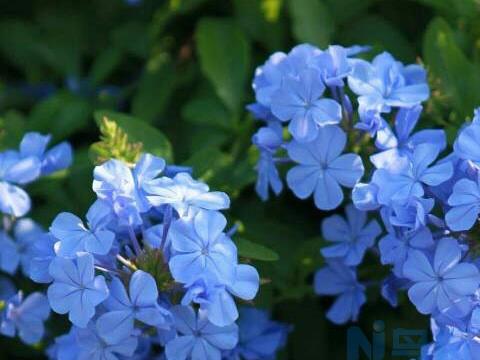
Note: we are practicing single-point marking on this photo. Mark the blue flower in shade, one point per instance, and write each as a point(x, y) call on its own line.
point(268, 176)
point(396, 245)
point(7, 289)
point(371, 121)
point(440, 283)
point(340, 280)
point(300, 100)
point(42, 254)
point(390, 287)
point(9, 257)
point(139, 304)
point(388, 83)
point(198, 338)
point(65, 347)
point(92, 344)
point(215, 299)
point(452, 343)
point(19, 252)
point(407, 181)
point(412, 214)
point(57, 158)
point(352, 237)
point(185, 194)
point(201, 248)
point(26, 233)
point(466, 144)
point(74, 236)
point(76, 290)
point(268, 140)
point(465, 205)
point(15, 170)
point(396, 147)
point(25, 316)
point(259, 336)
point(323, 169)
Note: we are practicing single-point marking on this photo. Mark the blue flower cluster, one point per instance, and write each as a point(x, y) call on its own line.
point(427, 206)
point(19, 237)
point(151, 272)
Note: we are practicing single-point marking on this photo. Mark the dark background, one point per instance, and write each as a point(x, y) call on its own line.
point(185, 68)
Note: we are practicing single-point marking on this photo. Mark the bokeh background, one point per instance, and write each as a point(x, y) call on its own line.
point(183, 68)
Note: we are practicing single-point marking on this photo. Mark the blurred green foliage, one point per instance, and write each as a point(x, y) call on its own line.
point(181, 69)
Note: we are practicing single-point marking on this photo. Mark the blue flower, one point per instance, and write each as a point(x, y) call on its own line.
point(19, 252)
point(259, 336)
point(335, 65)
point(65, 347)
point(198, 338)
point(390, 287)
point(185, 194)
point(412, 214)
point(438, 284)
point(268, 140)
point(7, 289)
point(340, 280)
point(115, 185)
point(202, 248)
point(465, 203)
point(15, 170)
point(388, 83)
point(146, 170)
point(215, 299)
point(397, 147)
point(140, 304)
point(42, 254)
point(352, 237)
point(466, 144)
point(453, 343)
point(407, 181)
point(74, 236)
point(323, 169)
point(76, 290)
point(92, 344)
point(57, 158)
point(371, 121)
point(396, 245)
point(25, 316)
point(299, 99)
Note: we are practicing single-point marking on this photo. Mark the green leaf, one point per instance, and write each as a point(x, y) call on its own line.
point(138, 131)
point(60, 115)
point(382, 35)
point(156, 86)
point(225, 59)
point(12, 128)
point(254, 251)
point(19, 45)
point(312, 23)
point(105, 63)
point(458, 76)
point(207, 111)
point(261, 21)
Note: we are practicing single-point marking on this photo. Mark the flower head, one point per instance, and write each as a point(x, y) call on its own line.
point(76, 290)
point(438, 284)
point(322, 168)
point(198, 338)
